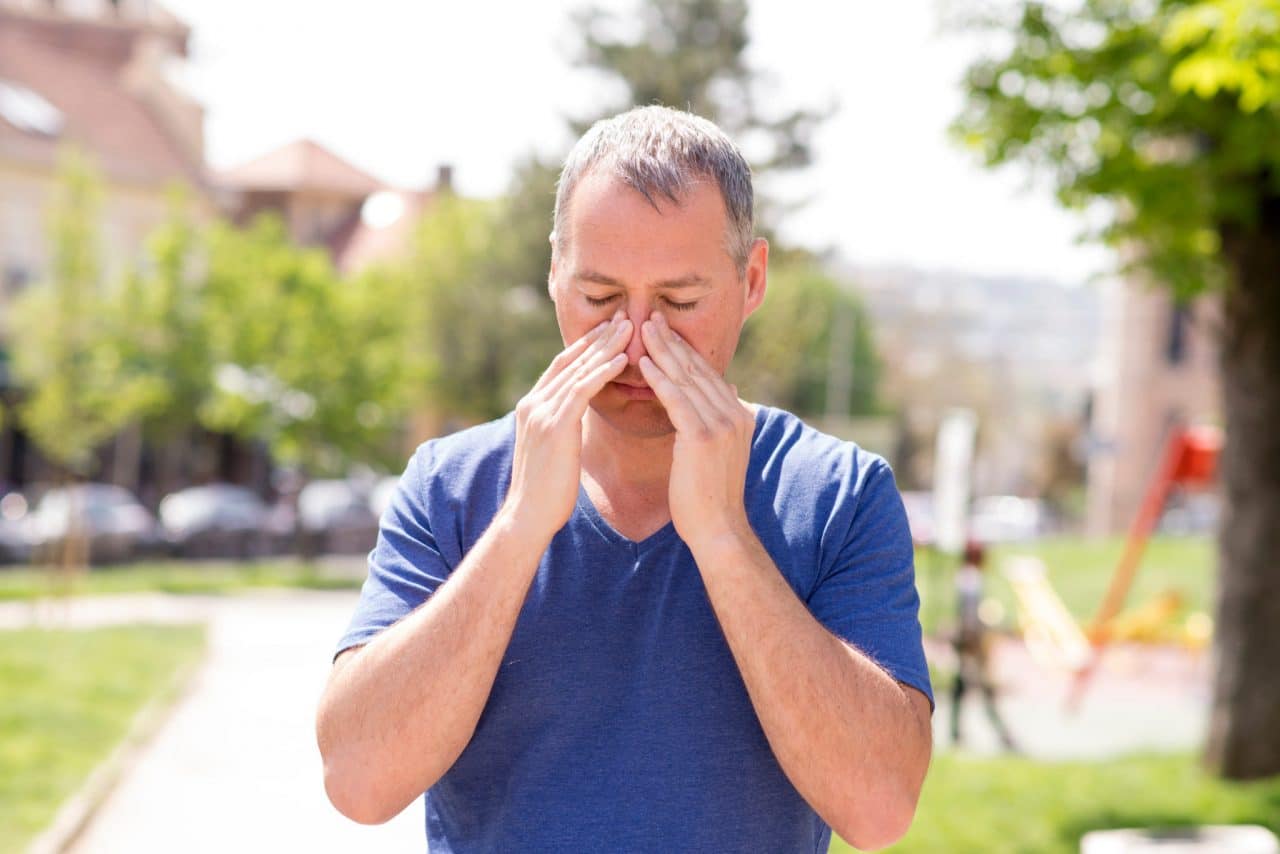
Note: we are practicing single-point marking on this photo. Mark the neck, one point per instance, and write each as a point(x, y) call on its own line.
point(612, 457)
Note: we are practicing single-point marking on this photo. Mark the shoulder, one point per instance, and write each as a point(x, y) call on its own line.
point(797, 456)
point(461, 465)
point(475, 447)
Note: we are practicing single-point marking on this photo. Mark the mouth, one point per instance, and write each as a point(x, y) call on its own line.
point(633, 391)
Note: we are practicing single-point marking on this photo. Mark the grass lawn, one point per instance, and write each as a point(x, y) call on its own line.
point(177, 577)
point(69, 698)
point(1080, 571)
point(1017, 805)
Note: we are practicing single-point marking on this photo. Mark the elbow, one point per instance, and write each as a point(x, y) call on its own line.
point(872, 833)
point(354, 798)
point(351, 790)
point(871, 826)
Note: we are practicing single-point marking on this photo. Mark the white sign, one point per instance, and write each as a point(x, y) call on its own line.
point(952, 466)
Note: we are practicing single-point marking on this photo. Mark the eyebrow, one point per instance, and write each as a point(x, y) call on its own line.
point(689, 280)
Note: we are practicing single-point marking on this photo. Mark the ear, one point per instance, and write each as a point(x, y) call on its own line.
point(756, 276)
point(551, 273)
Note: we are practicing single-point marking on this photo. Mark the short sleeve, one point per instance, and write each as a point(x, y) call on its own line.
point(867, 592)
point(405, 566)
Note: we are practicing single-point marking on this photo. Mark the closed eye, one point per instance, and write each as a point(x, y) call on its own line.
point(673, 304)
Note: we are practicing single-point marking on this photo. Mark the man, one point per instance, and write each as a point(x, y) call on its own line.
point(639, 614)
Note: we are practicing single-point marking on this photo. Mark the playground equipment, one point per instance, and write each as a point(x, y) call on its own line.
point(1189, 459)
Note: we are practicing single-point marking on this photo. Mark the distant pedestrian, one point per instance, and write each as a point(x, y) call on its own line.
point(972, 643)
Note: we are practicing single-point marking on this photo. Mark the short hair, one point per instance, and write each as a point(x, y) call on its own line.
point(659, 151)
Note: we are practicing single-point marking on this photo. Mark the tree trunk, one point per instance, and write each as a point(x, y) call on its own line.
point(1244, 729)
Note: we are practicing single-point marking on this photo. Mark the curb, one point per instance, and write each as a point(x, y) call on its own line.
point(76, 813)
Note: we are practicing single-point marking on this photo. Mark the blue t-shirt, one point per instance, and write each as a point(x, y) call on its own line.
point(618, 719)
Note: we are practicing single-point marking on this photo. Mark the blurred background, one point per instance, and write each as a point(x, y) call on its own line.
point(251, 255)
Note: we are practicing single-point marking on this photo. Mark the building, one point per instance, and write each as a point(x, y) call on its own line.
point(90, 74)
point(96, 75)
point(1157, 368)
point(325, 201)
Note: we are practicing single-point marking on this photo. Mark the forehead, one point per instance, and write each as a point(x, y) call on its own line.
point(608, 217)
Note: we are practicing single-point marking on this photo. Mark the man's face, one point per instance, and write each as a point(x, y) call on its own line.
point(623, 254)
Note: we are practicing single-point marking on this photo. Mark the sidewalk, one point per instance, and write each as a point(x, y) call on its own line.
point(1141, 699)
point(235, 767)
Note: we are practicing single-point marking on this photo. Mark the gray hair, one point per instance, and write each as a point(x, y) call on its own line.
point(659, 151)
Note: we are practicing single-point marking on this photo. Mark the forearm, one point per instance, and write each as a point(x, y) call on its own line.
point(397, 715)
point(848, 736)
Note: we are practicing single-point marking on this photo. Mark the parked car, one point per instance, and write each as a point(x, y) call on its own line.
point(920, 518)
point(1007, 519)
point(381, 494)
point(335, 517)
point(115, 525)
point(222, 520)
point(14, 544)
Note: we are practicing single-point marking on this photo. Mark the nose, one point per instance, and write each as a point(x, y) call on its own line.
point(638, 311)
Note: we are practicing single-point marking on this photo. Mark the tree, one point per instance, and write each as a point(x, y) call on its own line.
point(297, 356)
point(154, 326)
point(1168, 112)
point(691, 54)
point(57, 354)
point(809, 348)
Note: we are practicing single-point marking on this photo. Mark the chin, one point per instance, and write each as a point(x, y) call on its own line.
point(639, 419)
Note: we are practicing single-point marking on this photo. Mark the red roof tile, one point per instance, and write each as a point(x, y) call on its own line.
point(100, 116)
point(301, 165)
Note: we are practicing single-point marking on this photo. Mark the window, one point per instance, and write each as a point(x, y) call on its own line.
point(16, 277)
point(1175, 349)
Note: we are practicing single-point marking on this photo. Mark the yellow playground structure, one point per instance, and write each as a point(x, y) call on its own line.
point(1053, 636)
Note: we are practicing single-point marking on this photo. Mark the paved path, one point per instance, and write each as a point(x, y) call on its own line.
point(1141, 698)
point(235, 767)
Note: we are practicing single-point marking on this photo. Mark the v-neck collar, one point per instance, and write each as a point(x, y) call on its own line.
point(667, 531)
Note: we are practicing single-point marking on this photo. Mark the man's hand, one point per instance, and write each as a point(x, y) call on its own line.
point(713, 438)
point(546, 468)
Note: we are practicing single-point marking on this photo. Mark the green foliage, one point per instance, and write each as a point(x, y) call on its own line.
point(469, 309)
point(57, 339)
point(155, 329)
point(297, 355)
point(785, 357)
point(1166, 111)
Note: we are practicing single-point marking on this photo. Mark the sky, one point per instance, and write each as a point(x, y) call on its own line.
point(399, 87)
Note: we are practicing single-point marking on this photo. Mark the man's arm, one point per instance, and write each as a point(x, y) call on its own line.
point(397, 713)
point(853, 742)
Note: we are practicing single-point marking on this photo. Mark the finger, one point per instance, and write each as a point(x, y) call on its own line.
point(569, 354)
point(704, 377)
point(578, 395)
point(680, 409)
point(677, 369)
point(613, 341)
